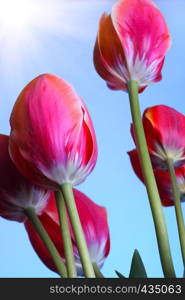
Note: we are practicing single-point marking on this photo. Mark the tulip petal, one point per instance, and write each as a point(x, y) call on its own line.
point(28, 169)
point(164, 186)
point(134, 159)
point(109, 58)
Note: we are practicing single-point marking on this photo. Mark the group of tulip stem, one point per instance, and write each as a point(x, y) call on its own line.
point(65, 198)
point(65, 203)
point(152, 190)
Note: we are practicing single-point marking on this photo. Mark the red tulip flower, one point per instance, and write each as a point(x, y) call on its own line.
point(52, 137)
point(94, 223)
point(16, 192)
point(165, 135)
point(162, 179)
point(131, 44)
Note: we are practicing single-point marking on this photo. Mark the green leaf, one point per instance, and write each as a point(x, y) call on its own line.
point(119, 274)
point(137, 269)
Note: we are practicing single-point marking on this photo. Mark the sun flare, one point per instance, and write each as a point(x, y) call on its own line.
point(24, 24)
point(27, 25)
point(16, 15)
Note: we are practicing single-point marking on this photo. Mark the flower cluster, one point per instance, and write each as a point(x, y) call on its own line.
point(52, 148)
point(52, 142)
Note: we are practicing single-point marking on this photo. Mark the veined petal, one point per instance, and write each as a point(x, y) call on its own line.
point(165, 135)
point(144, 36)
point(109, 57)
point(27, 168)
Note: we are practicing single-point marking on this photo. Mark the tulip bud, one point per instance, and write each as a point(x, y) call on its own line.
point(131, 44)
point(16, 192)
point(94, 223)
point(52, 136)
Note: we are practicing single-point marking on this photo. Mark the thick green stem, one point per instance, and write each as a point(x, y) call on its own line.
point(65, 234)
point(97, 271)
point(67, 191)
point(178, 209)
point(30, 213)
point(153, 195)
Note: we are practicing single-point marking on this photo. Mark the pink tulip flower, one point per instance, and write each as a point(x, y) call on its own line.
point(131, 44)
point(52, 136)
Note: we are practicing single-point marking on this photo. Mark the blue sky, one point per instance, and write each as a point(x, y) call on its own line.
point(67, 52)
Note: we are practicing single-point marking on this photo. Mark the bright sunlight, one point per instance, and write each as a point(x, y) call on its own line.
point(26, 27)
point(17, 15)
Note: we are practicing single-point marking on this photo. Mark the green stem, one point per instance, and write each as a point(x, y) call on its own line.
point(66, 236)
point(97, 271)
point(153, 195)
point(178, 209)
point(30, 213)
point(67, 191)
